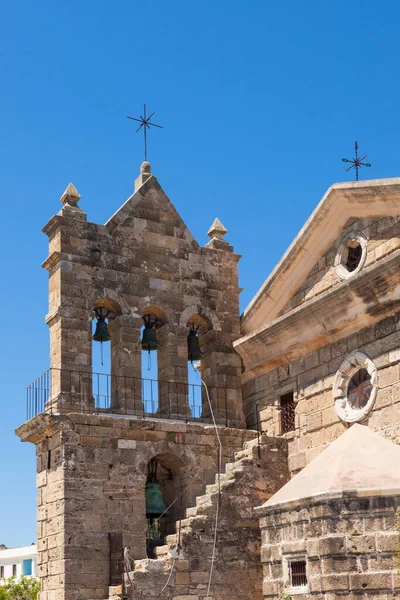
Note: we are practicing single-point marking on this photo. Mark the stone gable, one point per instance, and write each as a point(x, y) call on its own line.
point(382, 235)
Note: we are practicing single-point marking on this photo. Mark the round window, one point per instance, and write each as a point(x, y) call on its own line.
point(351, 255)
point(355, 387)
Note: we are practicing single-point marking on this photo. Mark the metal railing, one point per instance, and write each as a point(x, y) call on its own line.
point(61, 391)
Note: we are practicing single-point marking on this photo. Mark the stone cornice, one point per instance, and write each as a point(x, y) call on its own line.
point(323, 498)
point(55, 222)
point(37, 429)
point(341, 202)
point(51, 260)
point(352, 304)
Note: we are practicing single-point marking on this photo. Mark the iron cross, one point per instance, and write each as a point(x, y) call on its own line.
point(145, 123)
point(356, 162)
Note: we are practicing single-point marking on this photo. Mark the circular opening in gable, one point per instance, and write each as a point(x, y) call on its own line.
point(351, 255)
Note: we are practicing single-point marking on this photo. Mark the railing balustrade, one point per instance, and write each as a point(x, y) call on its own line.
point(62, 390)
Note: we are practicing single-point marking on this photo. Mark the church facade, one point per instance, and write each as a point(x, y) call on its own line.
point(277, 474)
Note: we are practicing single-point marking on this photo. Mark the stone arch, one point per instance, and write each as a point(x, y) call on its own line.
point(172, 479)
point(112, 305)
point(203, 313)
point(157, 312)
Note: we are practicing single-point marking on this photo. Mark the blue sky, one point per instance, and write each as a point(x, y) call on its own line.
point(259, 103)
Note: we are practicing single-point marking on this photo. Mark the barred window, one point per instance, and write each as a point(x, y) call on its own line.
point(298, 573)
point(287, 412)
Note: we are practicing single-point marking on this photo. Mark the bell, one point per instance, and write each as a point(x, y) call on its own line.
point(194, 351)
point(101, 333)
point(155, 506)
point(149, 339)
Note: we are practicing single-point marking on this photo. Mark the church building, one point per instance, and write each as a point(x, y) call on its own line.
point(262, 459)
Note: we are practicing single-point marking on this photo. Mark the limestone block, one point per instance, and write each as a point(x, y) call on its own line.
point(314, 421)
point(388, 376)
point(361, 544)
point(388, 542)
point(332, 545)
point(330, 583)
point(370, 581)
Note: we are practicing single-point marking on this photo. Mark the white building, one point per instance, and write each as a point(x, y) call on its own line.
point(18, 561)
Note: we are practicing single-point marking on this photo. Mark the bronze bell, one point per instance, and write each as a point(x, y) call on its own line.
point(155, 506)
point(101, 333)
point(194, 351)
point(149, 338)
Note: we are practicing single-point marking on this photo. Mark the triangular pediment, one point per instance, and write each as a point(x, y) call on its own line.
point(342, 203)
point(150, 208)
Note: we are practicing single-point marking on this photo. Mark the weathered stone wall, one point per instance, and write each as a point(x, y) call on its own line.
point(383, 235)
point(311, 378)
point(349, 544)
point(182, 571)
point(93, 484)
point(144, 260)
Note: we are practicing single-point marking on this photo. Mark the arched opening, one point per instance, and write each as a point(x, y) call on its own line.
point(198, 326)
point(154, 317)
point(104, 312)
point(167, 497)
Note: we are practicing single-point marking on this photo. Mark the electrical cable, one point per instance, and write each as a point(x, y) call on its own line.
point(219, 494)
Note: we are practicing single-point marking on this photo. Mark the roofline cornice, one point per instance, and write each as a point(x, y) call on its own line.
point(342, 201)
point(279, 341)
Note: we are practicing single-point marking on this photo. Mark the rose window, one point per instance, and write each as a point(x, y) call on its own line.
point(355, 387)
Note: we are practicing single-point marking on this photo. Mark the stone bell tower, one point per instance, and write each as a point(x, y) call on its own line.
point(93, 447)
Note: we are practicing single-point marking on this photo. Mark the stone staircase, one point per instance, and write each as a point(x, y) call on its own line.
point(183, 563)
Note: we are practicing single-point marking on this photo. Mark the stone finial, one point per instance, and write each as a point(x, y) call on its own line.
point(145, 168)
point(71, 196)
point(217, 230)
point(145, 174)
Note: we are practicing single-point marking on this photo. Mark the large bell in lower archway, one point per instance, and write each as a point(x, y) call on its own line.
point(155, 510)
point(155, 506)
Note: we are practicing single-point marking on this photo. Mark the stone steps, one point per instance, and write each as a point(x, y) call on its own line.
point(205, 504)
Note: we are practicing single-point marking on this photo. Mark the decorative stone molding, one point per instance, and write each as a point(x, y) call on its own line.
point(355, 387)
point(351, 241)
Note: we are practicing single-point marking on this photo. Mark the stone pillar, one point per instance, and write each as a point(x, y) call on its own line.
point(126, 370)
point(220, 371)
point(172, 372)
point(69, 318)
point(221, 365)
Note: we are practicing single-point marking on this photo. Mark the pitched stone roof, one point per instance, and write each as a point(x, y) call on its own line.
point(359, 462)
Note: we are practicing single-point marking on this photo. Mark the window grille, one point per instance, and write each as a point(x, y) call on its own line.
point(287, 413)
point(298, 573)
